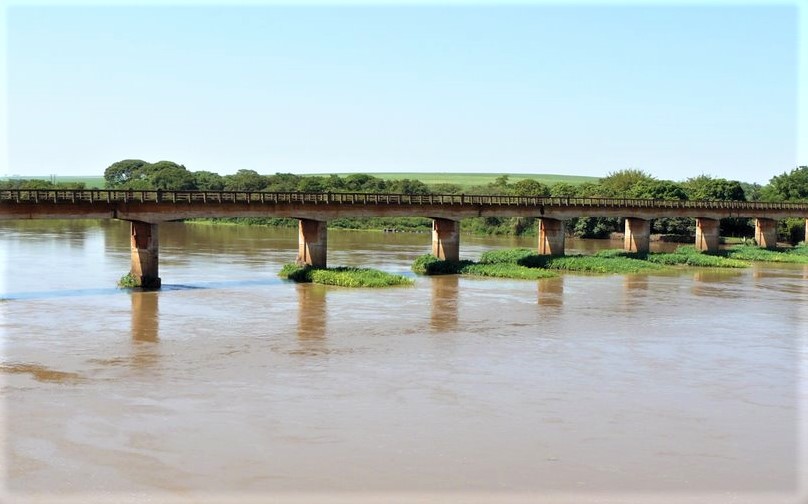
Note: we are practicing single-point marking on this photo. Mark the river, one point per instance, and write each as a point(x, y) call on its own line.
point(231, 385)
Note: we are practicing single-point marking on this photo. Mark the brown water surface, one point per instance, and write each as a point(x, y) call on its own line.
point(230, 384)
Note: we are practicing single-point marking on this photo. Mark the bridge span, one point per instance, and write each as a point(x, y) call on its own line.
point(146, 209)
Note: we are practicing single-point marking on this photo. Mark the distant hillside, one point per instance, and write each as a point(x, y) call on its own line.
point(461, 179)
point(476, 179)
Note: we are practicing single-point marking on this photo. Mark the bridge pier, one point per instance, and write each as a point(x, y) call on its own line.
point(312, 243)
point(707, 232)
point(446, 239)
point(766, 233)
point(144, 244)
point(551, 237)
point(638, 235)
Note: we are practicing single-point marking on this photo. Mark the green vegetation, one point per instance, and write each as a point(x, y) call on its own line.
point(629, 183)
point(470, 180)
point(342, 276)
point(53, 181)
point(128, 281)
point(798, 254)
point(428, 264)
point(596, 264)
point(507, 270)
point(689, 256)
point(525, 263)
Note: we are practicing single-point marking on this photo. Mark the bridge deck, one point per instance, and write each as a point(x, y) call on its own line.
point(160, 206)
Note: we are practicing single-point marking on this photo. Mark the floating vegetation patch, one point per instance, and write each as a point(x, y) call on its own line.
point(798, 254)
point(343, 276)
point(128, 281)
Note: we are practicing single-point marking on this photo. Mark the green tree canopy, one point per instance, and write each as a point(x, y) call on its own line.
point(705, 187)
point(791, 186)
point(121, 172)
point(620, 183)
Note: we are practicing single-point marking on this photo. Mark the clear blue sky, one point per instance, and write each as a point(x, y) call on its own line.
point(675, 90)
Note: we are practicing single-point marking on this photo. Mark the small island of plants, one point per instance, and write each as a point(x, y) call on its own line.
point(527, 264)
point(343, 276)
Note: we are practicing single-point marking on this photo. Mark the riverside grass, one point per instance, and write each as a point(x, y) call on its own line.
point(343, 276)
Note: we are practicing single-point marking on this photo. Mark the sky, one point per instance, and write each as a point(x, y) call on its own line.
point(674, 89)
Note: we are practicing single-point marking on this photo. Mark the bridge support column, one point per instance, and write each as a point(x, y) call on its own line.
point(766, 233)
point(551, 237)
point(145, 262)
point(446, 239)
point(312, 243)
point(638, 236)
point(707, 232)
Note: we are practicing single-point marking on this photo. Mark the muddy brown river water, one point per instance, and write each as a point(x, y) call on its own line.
point(231, 385)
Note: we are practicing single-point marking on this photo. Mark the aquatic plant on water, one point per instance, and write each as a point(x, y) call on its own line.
point(798, 254)
point(128, 281)
point(343, 276)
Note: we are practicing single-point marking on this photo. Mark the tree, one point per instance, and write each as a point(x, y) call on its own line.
point(529, 187)
point(620, 183)
point(657, 189)
point(121, 172)
point(705, 187)
point(788, 186)
point(245, 180)
point(208, 181)
point(168, 175)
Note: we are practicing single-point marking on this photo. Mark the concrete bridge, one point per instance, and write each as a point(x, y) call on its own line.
point(146, 209)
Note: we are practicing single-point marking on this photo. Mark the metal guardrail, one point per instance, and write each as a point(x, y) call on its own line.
point(222, 197)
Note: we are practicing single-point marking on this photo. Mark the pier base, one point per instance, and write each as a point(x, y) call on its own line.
point(766, 233)
point(551, 237)
point(446, 239)
point(312, 243)
point(707, 232)
point(638, 236)
point(145, 262)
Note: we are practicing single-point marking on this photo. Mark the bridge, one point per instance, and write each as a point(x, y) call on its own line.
point(145, 209)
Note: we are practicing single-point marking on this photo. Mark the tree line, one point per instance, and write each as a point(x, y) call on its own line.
point(629, 183)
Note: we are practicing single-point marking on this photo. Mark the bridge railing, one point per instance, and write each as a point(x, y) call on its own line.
point(250, 197)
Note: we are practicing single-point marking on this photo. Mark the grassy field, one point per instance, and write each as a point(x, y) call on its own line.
point(90, 180)
point(474, 179)
point(461, 179)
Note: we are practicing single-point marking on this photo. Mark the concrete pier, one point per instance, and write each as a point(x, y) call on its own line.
point(766, 233)
point(707, 232)
point(638, 236)
point(551, 237)
point(145, 263)
point(312, 243)
point(446, 239)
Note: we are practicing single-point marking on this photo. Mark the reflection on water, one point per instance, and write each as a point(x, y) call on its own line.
point(443, 309)
point(145, 317)
point(551, 292)
point(145, 329)
point(635, 282)
point(311, 319)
